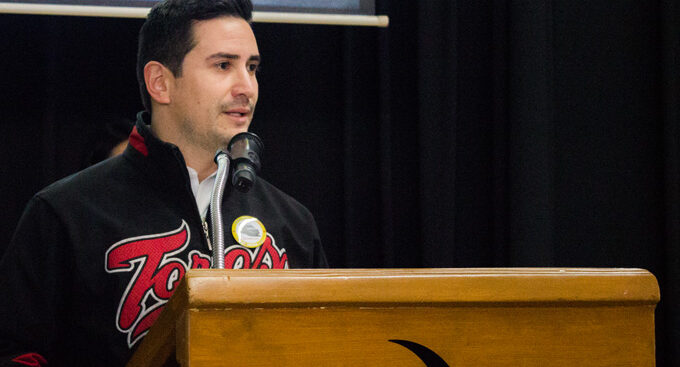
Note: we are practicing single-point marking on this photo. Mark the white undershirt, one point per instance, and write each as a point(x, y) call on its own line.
point(202, 191)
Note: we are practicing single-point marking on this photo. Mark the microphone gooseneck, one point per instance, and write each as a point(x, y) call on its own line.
point(222, 160)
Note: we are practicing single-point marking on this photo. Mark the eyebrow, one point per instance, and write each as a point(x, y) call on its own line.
point(224, 55)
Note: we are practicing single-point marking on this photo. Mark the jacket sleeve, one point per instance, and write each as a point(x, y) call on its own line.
point(32, 287)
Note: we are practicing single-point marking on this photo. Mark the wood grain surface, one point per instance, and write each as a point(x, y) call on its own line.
point(347, 317)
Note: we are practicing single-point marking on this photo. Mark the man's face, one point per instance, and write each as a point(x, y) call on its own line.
point(215, 96)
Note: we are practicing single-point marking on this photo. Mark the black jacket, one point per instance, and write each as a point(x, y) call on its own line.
point(96, 255)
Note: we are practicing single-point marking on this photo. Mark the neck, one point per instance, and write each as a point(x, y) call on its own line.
point(199, 158)
point(203, 163)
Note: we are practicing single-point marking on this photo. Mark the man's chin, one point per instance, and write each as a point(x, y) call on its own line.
point(235, 132)
point(225, 139)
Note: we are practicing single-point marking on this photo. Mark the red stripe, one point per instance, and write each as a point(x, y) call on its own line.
point(31, 359)
point(137, 142)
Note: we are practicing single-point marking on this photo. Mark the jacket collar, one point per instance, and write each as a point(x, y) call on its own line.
point(162, 158)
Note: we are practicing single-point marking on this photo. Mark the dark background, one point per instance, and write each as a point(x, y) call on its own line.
point(467, 134)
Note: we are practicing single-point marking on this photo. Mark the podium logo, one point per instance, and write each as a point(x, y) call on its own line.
point(429, 357)
point(157, 269)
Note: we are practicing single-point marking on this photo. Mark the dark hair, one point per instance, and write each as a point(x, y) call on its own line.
point(111, 131)
point(166, 35)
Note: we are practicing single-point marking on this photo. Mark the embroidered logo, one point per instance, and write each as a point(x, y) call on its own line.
point(267, 256)
point(157, 269)
point(156, 274)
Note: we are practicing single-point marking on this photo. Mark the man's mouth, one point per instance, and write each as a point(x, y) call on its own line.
point(238, 112)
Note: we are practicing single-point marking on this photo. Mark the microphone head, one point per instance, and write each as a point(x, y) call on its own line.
point(244, 177)
point(246, 151)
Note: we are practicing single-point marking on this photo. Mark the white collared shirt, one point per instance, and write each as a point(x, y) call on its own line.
point(202, 191)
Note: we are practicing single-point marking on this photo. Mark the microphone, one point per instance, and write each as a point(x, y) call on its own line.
point(245, 150)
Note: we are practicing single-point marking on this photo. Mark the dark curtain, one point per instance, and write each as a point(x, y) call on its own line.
point(489, 133)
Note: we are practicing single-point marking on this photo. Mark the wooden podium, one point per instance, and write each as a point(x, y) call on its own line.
point(415, 317)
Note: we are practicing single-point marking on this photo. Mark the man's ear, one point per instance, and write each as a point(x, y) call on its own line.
point(157, 79)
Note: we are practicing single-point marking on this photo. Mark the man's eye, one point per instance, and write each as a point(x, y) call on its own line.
point(253, 67)
point(223, 65)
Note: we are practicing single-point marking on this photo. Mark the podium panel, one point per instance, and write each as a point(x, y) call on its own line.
point(407, 317)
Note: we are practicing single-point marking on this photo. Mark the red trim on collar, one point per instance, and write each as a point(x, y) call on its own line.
point(31, 359)
point(137, 142)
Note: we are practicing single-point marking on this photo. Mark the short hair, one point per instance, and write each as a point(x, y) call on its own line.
point(111, 131)
point(167, 34)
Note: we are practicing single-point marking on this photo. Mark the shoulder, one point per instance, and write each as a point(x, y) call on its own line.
point(98, 178)
point(279, 200)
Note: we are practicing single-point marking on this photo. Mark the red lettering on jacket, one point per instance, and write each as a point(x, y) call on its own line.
point(266, 256)
point(198, 260)
point(157, 271)
point(31, 359)
point(156, 274)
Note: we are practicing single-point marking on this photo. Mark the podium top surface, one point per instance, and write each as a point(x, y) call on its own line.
point(207, 288)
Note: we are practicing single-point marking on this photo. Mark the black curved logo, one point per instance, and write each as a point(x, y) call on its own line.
point(429, 357)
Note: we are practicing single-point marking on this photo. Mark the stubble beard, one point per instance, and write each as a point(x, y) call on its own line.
point(214, 137)
point(208, 140)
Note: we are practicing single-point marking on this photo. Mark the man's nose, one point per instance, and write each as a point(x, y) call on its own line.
point(245, 84)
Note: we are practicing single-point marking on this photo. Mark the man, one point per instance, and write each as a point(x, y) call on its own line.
point(97, 255)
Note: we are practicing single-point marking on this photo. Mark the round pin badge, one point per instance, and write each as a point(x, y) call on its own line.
point(248, 231)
